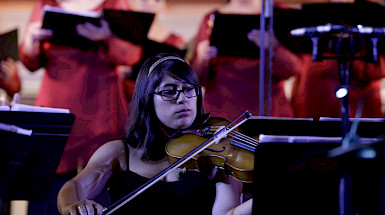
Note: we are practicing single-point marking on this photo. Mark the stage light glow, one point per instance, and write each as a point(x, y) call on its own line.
point(342, 92)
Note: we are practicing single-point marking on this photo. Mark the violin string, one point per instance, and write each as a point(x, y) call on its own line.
point(246, 137)
point(244, 140)
point(240, 138)
point(250, 142)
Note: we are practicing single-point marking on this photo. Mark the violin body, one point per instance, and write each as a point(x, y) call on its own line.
point(237, 162)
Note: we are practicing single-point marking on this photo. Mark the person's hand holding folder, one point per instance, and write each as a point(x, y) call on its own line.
point(205, 52)
point(255, 36)
point(93, 32)
point(35, 34)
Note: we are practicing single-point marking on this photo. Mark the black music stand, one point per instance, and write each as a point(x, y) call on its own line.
point(301, 177)
point(362, 178)
point(28, 163)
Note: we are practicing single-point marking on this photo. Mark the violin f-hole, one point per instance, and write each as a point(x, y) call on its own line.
point(216, 150)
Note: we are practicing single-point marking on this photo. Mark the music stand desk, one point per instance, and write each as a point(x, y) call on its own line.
point(300, 177)
point(28, 163)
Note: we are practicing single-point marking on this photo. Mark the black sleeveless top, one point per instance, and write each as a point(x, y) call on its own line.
point(193, 194)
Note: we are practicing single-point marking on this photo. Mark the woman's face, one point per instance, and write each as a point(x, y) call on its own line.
point(179, 113)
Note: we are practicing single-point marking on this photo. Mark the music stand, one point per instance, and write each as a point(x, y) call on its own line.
point(362, 178)
point(28, 163)
point(299, 177)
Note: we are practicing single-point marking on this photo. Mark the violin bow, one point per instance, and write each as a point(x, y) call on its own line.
point(218, 135)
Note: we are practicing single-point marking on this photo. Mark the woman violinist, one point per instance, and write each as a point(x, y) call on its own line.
point(167, 100)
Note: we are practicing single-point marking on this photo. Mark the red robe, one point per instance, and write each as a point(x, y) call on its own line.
point(86, 83)
point(314, 91)
point(234, 85)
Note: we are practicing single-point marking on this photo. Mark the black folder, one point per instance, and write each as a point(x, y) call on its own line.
point(349, 14)
point(9, 46)
point(63, 24)
point(229, 35)
point(128, 25)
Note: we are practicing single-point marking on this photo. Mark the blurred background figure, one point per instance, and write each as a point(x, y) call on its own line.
point(231, 82)
point(9, 80)
point(315, 87)
point(81, 79)
point(159, 40)
point(314, 90)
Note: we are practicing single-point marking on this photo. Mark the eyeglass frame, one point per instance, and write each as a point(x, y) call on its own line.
point(196, 87)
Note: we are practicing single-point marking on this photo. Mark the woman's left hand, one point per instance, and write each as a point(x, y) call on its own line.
point(93, 32)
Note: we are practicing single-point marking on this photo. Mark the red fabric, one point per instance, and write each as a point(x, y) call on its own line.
point(314, 91)
point(176, 41)
point(232, 83)
point(86, 82)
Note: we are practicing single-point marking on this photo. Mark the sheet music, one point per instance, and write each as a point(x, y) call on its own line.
point(353, 119)
point(308, 139)
point(5, 108)
point(15, 129)
point(30, 108)
point(281, 118)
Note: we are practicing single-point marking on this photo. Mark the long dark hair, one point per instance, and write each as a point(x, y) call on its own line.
point(143, 125)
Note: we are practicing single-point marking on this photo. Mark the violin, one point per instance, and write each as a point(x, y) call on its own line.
point(234, 153)
point(231, 159)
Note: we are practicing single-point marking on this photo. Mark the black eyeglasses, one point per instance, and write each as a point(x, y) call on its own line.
point(170, 95)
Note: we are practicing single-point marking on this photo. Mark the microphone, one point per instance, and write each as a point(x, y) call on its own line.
point(375, 33)
point(379, 31)
point(316, 30)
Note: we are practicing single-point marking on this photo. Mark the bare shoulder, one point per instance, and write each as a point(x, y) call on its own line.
point(110, 152)
point(111, 148)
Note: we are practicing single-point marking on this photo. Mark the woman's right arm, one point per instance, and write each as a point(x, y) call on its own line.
point(30, 48)
point(75, 195)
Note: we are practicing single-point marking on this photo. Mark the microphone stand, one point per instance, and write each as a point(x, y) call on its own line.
point(262, 61)
point(350, 137)
point(349, 133)
point(345, 188)
point(266, 12)
point(344, 75)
